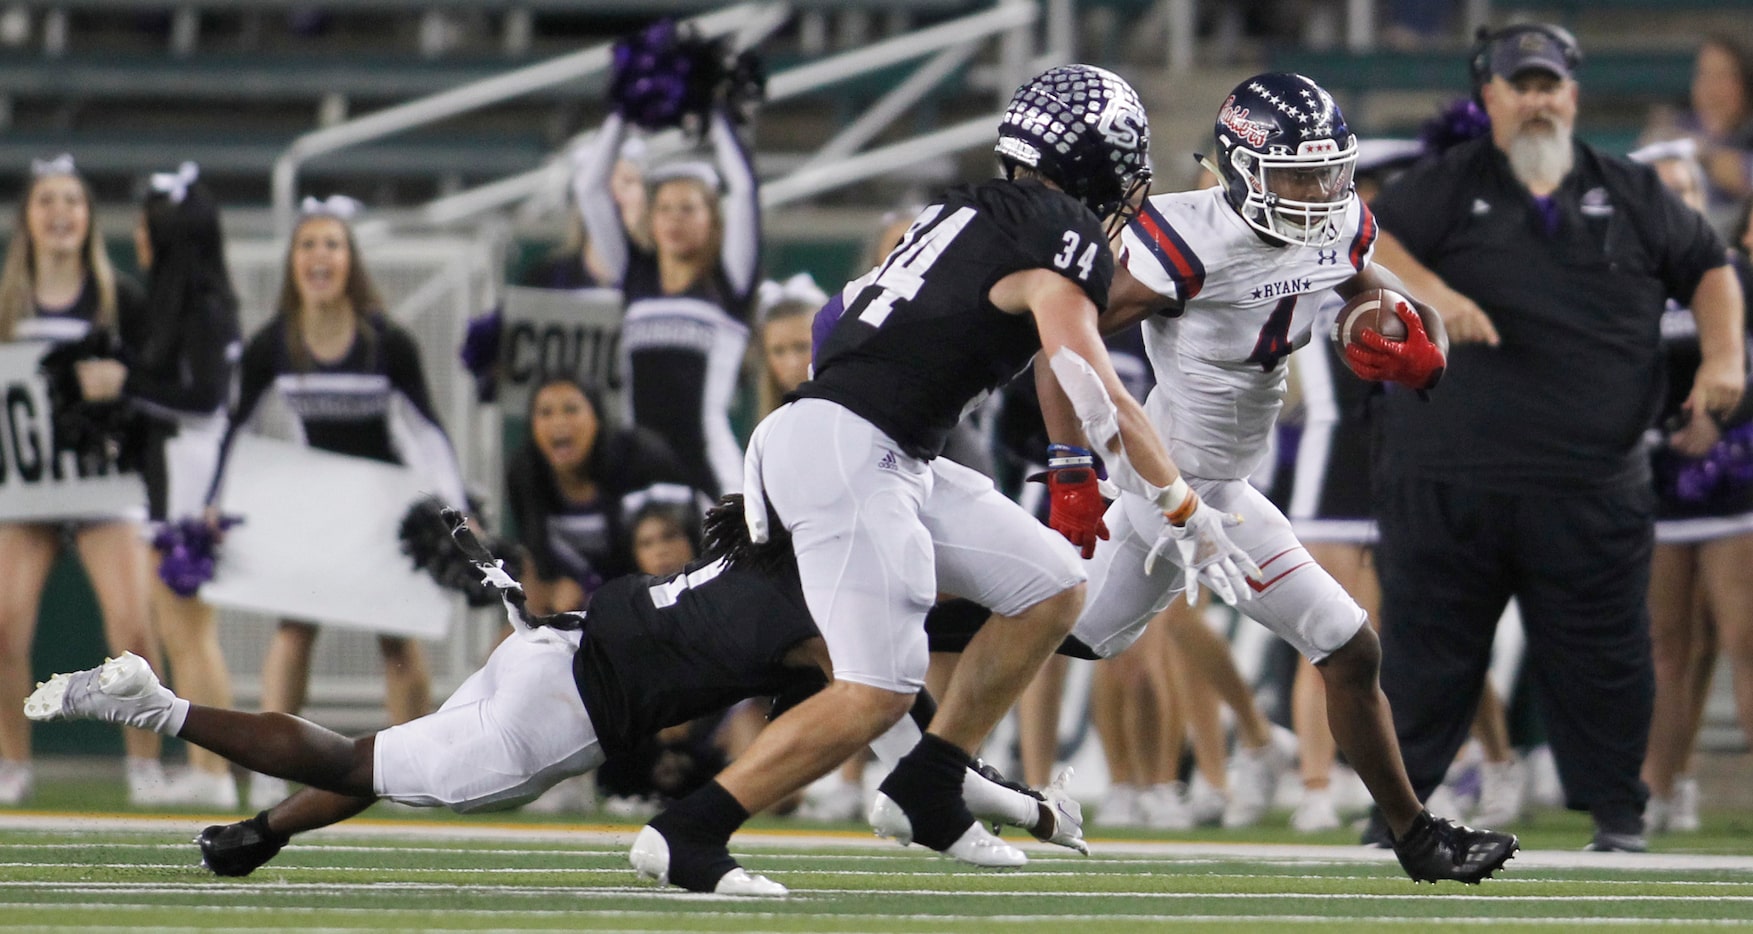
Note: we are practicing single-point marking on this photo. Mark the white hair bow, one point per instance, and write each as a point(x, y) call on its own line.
point(799, 288)
point(701, 172)
point(339, 207)
point(175, 185)
point(1684, 147)
point(60, 165)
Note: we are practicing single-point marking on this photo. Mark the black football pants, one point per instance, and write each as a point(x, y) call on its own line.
point(1450, 558)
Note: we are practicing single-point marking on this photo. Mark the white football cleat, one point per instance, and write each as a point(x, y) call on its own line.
point(650, 857)
point(1067, 815)
point(121, 690)
point(976, 845)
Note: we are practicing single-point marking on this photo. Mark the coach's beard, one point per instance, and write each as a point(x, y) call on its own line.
point(1540, 154)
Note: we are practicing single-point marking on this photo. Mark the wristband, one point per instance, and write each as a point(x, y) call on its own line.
point(1177, 501)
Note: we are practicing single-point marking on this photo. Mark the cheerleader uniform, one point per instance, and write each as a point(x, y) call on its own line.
point(182, 381)
point(1698, 499)
point(372, 403)
point(683, 352)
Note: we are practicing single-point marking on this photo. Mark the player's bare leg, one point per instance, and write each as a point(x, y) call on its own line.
point(999, 661)
point(1429, 849)
point(922, 800)
point(1363, 728)
point(686, 845)
point(284, 746)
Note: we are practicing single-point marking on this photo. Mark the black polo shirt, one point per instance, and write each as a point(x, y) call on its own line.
point(1561, 405)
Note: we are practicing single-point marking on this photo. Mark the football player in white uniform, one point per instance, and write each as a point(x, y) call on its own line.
point(1228, 281)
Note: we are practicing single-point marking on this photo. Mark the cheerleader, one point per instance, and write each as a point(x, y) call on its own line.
point(57, 286)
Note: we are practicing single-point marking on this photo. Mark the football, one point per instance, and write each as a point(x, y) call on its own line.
point(1371, 310)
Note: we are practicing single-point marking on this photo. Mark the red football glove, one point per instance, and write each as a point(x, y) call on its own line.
point(1415, 362)
point(1076, 504)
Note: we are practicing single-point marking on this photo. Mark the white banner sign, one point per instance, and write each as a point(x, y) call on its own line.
point(550, 331)
point(319, 541)
point(38, 483)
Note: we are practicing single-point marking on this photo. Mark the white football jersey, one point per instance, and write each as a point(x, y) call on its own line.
point(1247, 305)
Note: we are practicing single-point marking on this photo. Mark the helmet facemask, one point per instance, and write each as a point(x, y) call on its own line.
point(1131, 201)
point(1300, 198)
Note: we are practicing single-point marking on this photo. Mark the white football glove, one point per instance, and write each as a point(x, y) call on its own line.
point(1205, 551)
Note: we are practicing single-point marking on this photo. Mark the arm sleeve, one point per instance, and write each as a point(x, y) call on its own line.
point(424, 445)
point(596, 201)
point(257, 374)
point(1363, 242)
point(1159, 257)
point(203, 366)
point(741, 252)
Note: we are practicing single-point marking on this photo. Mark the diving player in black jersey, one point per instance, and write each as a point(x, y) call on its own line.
point(982, 281)
point(554, 700)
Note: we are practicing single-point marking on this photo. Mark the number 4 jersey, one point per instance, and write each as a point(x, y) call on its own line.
point(1245, 305)
point(916, 341)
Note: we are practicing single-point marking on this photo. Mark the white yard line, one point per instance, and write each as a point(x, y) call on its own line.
point(599, 836)
point(1263, 919)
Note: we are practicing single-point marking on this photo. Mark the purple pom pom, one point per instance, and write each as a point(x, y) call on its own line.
point(480, 348)
point(1459, 122)
point(188, 551)
point(1696, 481)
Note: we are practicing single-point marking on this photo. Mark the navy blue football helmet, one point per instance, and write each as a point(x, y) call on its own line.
point(1285, 158)
point(1083, 128)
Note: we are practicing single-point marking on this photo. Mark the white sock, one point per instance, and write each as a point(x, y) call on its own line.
point(992, 801)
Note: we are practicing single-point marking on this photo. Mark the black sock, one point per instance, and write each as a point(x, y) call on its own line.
point(927, 784)
point(260, 822)
point(697, 829)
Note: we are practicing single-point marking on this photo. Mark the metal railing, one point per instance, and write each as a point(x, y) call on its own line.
point(750, 20)
point(947, 47)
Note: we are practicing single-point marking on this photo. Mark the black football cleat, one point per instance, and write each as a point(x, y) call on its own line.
point(1435, 849)
point(238, 849)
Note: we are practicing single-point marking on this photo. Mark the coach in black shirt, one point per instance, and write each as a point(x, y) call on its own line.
point(1523, 476)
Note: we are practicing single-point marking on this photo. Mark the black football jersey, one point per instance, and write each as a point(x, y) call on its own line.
point(916, 341)
point(662, 651)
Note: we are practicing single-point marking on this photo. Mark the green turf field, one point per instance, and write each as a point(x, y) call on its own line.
point(138, 873)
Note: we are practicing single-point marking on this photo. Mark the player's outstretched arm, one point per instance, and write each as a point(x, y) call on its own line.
point(1066, 319)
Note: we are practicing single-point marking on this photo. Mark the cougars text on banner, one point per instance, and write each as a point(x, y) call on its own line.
point(37, 482)
point(548, 331)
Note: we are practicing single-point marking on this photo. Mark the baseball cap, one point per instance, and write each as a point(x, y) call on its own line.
point(1530, 48)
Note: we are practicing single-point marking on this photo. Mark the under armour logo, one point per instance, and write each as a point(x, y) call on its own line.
point(1480, 207)
point(1327, 258)
point(888, 462)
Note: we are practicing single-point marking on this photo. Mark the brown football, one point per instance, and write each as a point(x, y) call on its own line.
point(1371, 310)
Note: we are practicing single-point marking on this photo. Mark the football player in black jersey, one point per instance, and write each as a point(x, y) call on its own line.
point(984, 279)
point(555, 699)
